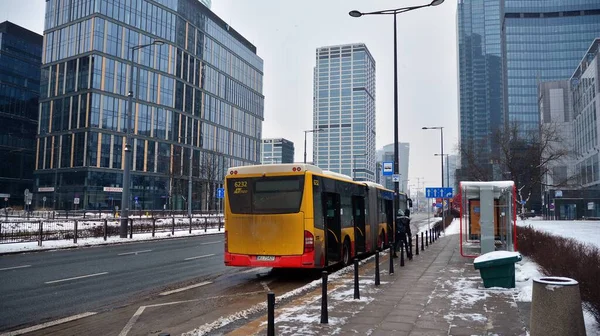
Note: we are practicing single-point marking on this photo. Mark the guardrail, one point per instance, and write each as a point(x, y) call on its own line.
point(22, 231)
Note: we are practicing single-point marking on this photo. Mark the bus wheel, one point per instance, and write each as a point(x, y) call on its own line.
point(346, 253)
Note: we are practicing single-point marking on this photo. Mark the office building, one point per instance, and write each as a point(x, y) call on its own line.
point(480, 77)
point(386, 154)
point(344, 111)
point(207, 3)
point(20, 61)
point(277, 151)
point(543, 41)
point(585, 93)
point(556, 118)
point(198, 103)
point(450, 165)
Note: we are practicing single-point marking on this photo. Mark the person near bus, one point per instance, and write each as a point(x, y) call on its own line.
point(403, 233)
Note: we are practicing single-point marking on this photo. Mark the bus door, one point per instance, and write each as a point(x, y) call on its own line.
point(358, 217)
point(333, 227)
point(389, 214)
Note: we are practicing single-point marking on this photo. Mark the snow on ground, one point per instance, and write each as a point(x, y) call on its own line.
point(309, 309)
point(81, 242)
point(584, 231)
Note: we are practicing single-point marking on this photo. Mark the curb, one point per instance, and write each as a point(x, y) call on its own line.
point(101, 244)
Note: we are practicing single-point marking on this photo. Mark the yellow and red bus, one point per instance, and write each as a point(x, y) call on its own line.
point(299, 216)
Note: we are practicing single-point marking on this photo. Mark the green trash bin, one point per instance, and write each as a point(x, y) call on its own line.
point(497, 268)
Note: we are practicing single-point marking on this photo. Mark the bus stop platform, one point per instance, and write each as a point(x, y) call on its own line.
point(437, 293)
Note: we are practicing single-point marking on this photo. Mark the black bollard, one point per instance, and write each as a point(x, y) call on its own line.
point(356, 290)
point(392, 259)
point(422, 242)
point(402, 253)
point(417, 244)
point(271, 314)
point(377, 282)
point(426, 239)
point(324, 316)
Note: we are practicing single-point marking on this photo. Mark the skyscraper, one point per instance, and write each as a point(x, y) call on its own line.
point(277, 151)
point(386, 154)
point(543, 41)
point(344, 110)
point(20, 60)
point(480, 76)
point(199, 92)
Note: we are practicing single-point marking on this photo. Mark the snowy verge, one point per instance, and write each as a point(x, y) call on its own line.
point(83, 242)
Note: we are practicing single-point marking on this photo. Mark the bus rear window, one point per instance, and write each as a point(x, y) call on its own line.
point(272, 195)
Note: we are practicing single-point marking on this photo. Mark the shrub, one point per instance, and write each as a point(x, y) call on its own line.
point(559, 256)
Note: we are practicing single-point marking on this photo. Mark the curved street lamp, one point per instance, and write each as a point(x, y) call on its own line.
point(394, 12)
point(128, 149)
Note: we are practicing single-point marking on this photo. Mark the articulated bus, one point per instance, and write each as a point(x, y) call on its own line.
point(299, 216)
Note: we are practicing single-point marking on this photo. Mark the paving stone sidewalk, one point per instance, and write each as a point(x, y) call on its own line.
point(437, 293)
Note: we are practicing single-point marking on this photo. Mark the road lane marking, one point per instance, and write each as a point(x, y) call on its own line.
point(185, 288)
point(136, 252)
point(132, 321)
point(15, 267)
point(258, 270)
point(140, 310)
point(214, 242)
point(198, 257)
point(266, 288)
point(75, 278)
point(48, 324)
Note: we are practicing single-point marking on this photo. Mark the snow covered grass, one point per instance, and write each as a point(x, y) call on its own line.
point(566, 257)
point(82, 242)
point(584, 231)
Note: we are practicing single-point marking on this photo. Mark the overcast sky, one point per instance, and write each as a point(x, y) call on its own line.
point(287, 33)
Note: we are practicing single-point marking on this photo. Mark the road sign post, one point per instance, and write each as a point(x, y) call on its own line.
point(44, 202)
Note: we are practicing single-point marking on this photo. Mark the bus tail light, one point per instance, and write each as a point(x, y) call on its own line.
point(309, 242)
point(225, 245)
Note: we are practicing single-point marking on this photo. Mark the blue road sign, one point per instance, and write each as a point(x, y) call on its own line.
point(438, 192)
point(136, 198)
point(220, 193)
point(387, 169)
point(523, 202)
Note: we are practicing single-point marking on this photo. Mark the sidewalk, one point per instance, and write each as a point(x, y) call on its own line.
point(437, 293)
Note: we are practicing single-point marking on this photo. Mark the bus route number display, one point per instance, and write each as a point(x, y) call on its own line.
point(241, 187)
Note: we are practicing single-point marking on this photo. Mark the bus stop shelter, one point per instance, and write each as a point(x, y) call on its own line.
point(488, 217)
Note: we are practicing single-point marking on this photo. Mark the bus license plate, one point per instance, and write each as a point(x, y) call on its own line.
point(265, 258)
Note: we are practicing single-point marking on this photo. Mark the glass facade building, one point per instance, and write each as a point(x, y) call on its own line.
point(277, 151)
point(386, 154)
point(480, 74)
point(585, 93)
point(198, 103)
point(344, 111)
point(543, 41)
point(20, 61)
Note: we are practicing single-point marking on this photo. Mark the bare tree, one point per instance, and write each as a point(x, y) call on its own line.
point(211, 173)
point(524, 156)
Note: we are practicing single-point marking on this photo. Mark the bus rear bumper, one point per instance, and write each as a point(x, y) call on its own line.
point(295, 261)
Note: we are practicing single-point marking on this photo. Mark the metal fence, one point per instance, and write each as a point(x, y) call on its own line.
point(8, 213)
point(22, 231)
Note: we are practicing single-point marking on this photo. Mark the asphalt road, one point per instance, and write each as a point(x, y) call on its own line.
point(116, 279)
point(36, 287)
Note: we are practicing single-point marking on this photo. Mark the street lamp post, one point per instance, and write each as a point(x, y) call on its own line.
point(441, 128)
point(128, 149)
point(308, 131)
point(394, 12)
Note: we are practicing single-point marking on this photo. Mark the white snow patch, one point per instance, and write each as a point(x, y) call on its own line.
point(583, 231)
point(57, 244)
